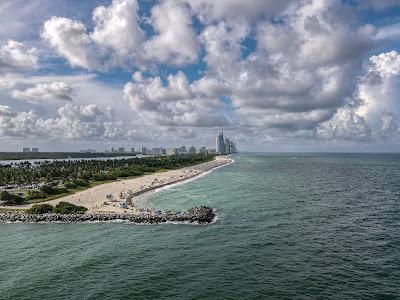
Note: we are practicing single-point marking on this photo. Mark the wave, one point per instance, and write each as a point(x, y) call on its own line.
point(191, 179)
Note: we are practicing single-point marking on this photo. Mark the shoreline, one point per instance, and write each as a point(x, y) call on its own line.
point(103, 198)
point(183, 181)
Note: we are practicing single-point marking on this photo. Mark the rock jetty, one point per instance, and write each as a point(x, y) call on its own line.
point(196, 215)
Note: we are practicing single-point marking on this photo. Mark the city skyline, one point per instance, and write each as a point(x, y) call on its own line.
point(293, 76)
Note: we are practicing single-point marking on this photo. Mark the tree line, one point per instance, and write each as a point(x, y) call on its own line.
point(77, 172)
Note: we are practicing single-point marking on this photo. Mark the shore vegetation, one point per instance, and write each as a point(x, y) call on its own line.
point(26, 182)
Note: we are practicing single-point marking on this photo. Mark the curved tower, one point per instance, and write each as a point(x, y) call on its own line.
point(220, 147)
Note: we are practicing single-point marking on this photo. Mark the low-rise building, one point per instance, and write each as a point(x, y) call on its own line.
point(203, 150)
point(172, 151)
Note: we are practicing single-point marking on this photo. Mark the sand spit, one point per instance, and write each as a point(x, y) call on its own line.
point(105, 198)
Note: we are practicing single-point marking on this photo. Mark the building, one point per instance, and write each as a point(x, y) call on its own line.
point(224, 145)
point(144, 150)
point(121, 150)
point(26, 150)
point(35, 150)
point(219, 143)
point(172, 151)
point(157, 151)
point(203, 150)
point(233, 147)
point(133, 150)
point(227, 146)
point(87, 151)
point(182, 150)
point(192, 150)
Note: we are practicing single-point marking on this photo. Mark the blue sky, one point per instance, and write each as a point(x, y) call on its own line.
point(308, 75)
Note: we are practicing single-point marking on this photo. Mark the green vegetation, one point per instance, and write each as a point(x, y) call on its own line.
point(50, 190)
point(68, 208)
point(34, 194)
point(58, 178)
point(38, 209)
point(10, 199)
point(61, 208)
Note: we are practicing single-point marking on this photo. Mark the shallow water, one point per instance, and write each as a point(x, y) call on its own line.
point(304, 226)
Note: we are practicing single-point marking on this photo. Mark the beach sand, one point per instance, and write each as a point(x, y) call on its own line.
point(94, 198)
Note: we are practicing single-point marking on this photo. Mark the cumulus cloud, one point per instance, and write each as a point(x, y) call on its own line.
point(374, 111)
point(72, 122)
point(70, 39)
point(345, 124)
point(386, 65)
point(175, 42)
point(268, 69)
point(45, 91)
point(284, 84)
point(116, 27)
point(175, 104)
point(15, 56)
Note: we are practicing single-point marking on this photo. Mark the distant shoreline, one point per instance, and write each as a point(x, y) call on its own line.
point(95, 198)
point(11, 156)
point(187, 180)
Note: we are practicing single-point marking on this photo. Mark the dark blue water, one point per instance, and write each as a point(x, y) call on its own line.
point(290, 226)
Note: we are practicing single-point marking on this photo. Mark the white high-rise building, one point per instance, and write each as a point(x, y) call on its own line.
point(219, 145)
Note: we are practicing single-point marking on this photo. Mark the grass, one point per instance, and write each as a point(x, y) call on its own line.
point(12, 210)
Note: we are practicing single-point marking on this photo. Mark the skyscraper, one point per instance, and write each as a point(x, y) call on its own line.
point(226, 146)
point(220, 147)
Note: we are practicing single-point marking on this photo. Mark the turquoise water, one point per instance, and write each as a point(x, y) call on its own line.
point(301, 226)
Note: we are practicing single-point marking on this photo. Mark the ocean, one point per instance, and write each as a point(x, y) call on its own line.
point(289, 226)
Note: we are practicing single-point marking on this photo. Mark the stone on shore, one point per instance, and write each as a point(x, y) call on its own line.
point(198, 215)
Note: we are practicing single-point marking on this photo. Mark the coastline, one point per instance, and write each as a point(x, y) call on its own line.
point(183, 181)
point(96, 201)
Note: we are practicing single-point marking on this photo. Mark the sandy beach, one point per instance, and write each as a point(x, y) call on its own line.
point(95, 198)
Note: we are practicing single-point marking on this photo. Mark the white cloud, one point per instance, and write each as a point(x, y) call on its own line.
point(375, 110)
point(175, 42)
point(345, 124)
point(45, 91)
point(15, 56)
point(176, 104)
point(386, 64)
point(116, 27)
point(72, 122)
point(71, 41)
point(272, 69)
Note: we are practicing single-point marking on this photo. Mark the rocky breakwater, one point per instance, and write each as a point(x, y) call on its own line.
point(196, 215)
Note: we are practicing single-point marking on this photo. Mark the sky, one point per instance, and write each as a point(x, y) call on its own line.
point(288, 75)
